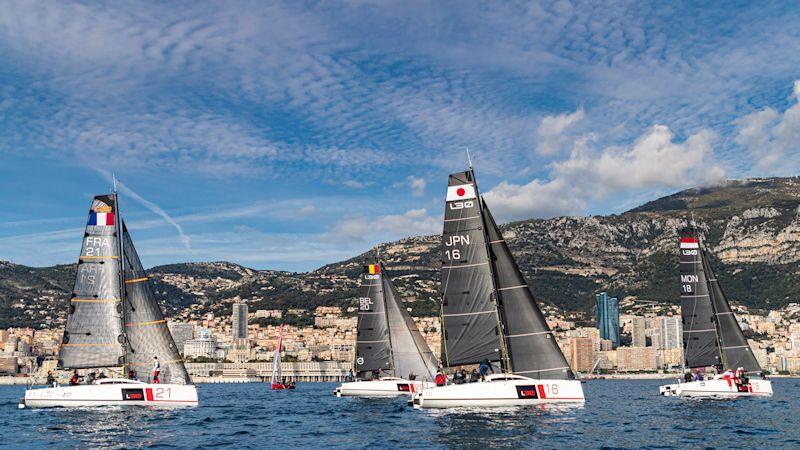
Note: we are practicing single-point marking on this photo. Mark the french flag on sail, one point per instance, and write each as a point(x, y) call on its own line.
point(101, 219)
point(689, 242)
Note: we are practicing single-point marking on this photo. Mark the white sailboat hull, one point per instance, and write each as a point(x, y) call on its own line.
point(719, 388)
point(117, 393)
point(500, 391)
point(384, 387)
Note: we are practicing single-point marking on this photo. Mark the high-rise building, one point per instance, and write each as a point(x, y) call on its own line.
point(608, 318)
point(582, 354)
point(239, 320)
point(638, 332)
point(667, 334)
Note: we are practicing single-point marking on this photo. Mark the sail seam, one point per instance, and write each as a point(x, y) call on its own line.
point(373, 342)
point(700, 331)
point(694, 295)
point(724, 313)
point(94, 300)
point(735, 346)
point(542, 370)
point(497, 241)
point(468, 314)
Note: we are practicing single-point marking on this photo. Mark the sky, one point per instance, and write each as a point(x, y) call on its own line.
point(292, 135)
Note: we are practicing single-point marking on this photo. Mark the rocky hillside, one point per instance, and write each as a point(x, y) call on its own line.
point(751, 227)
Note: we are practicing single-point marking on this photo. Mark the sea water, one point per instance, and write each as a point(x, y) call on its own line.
point(617, 413)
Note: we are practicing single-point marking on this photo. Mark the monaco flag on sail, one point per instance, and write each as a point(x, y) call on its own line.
point(689, 242)
point(460, 192)
point(101, 219)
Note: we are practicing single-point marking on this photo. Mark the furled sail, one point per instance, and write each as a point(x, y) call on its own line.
point(700, 342)
point(146, 328)
point(532, 347)
point(735, 350)
point(410, 352)
point(93, 332)
point(470, 323)
point(373, 349)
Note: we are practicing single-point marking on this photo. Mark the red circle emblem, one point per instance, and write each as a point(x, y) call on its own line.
point(460, 192)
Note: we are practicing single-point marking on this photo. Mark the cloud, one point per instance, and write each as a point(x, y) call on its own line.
point(360, 228)
point(551, 132)
point(772, 137)
point(654, 161)
point(417, 185)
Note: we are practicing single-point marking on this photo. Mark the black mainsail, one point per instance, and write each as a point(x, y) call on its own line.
point(711, 334)
point(114, 319)
point(93, 335)
point(373, 348)
point(700, 343)
point(488, 311)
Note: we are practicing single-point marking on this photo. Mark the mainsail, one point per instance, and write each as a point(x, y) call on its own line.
point(146, 328)
point(532, 347)
point(373, 348)
point(410, 352)
point(470, 321)
point(93, 336)
point(700, 343)
point(735, 350)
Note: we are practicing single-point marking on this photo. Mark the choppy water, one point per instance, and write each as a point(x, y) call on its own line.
point(626, 414)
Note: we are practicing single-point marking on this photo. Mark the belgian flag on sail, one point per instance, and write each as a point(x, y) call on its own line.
point(373, 269)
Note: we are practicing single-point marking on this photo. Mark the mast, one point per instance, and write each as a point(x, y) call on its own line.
point(122, 293)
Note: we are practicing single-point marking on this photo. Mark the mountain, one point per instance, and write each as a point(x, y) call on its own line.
point(751, 227)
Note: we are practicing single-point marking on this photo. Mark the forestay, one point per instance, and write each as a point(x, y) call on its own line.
point(93, 332)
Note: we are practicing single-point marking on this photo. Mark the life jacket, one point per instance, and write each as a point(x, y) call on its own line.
point(441, 380)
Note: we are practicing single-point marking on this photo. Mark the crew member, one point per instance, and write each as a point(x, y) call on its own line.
point(484, 368)
point(51, 380)
point(74, 379)
point(440, 379)
point(156, 370)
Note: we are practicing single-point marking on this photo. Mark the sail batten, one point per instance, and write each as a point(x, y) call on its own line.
point(94, 328)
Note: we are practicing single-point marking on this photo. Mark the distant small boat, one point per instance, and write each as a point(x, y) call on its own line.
point(115, 321)
point(489, 316)
point(279, 384)
point(392, 357)
point(711, 335)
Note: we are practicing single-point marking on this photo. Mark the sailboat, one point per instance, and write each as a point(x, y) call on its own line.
point(277, 383)
point(489, 315)
point(115, 321)
point(711, 335)
point(392, 357)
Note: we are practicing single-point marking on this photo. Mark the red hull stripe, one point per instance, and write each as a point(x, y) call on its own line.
point(541, 391)
point(148, 392)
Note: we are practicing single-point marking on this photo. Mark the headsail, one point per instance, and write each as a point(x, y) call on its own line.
point(532, 347)
point(735, 350)
point(146, 328)
point(373, 349)
point(410, 352)
point(700, 343)
point(93, 333)
point(470, 323)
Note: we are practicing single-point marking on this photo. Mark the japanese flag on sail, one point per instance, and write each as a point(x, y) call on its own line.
point(689, 242)
point(101, 219)
point(460, 192)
